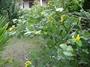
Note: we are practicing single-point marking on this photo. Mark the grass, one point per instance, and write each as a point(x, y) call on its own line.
point(19, 49)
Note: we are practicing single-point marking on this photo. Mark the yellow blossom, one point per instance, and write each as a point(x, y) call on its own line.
point(78, 37)
point(73, 36)
point(48, 3)
point(71, 55)
point(38, 32)
point(10, 29)
point(27, 63)
point(13, 26)
point(49, 18)
point(2, 8)
point(62, 18)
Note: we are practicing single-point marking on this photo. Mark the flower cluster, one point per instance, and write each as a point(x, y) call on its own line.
point(11, 28)
point(77, 37)
point(27, 63)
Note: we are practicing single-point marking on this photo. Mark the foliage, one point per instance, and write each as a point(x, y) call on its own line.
point(3, 39)
point(68, 42)
point(9, 8)
point(29, 26)
point(3, 36)
point(73, 5)
point(85, 5)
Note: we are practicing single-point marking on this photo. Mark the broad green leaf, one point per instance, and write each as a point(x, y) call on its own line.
point(2, 30)
point(69, 48)
point(67, 53)
point(59, 54)
point(85, 50)
point(63, 46)
point(79, 43)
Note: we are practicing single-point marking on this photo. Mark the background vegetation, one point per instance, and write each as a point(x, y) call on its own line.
point(65, 24)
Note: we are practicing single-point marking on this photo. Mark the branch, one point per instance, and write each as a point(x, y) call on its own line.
point(68, 34)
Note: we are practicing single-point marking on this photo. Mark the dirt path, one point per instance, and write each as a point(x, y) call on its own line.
point(18, 50)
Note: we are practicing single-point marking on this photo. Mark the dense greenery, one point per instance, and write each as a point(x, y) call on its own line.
point(3, 38)
point(9, 9)
point(86, 5)
point(65, 25)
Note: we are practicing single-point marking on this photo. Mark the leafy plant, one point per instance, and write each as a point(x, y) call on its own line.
point(3, 27)
point(3, 39)
point(68, 42)
point(10, 9)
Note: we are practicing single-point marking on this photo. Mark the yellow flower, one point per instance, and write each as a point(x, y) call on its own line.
point(27, 63)
point(49, 18)
point(38, 32)
point(78, 37)
point(73, 36)
point(62, 18)
point(71, 55)
point(48, 3)
point(13, 26)
point(10, 29)
point(2, 8)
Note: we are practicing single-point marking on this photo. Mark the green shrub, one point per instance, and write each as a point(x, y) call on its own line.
point(3, 39)
point(68, 43)
point(10, 8)
point(3, 27)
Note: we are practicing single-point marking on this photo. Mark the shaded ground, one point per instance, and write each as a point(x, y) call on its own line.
point(18, 50)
